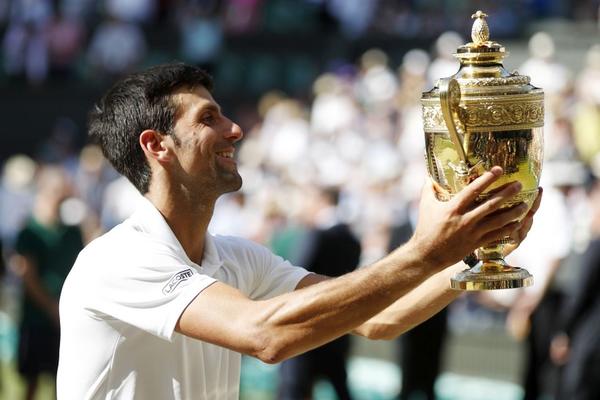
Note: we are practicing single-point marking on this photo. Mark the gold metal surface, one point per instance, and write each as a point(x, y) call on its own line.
point(515, 112)
point(480, 117)
point(480, 33)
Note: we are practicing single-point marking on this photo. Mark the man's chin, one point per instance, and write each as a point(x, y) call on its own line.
point(233, 184)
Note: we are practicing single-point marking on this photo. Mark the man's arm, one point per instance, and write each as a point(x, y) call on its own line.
point(287, 325)
point(408, 311)
point(432, 295)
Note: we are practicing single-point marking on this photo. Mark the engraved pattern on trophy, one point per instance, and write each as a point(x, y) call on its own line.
point(489, 116)
point(511, 80)
point(513, 115)
point(480, 117)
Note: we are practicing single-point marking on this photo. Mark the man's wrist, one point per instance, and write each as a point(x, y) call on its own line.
point(417, 257)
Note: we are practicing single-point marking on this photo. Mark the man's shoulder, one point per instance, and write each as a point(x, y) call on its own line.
point(241, 250)
point(118, 255)
point(122, 243)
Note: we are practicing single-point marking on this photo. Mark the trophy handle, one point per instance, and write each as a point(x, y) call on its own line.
point(449, 100)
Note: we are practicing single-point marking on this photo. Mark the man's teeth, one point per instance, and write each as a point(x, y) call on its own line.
point(226, 154)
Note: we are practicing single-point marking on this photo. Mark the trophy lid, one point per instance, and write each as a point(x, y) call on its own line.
point(482, 95)
point(481, 71)
point(481, 50)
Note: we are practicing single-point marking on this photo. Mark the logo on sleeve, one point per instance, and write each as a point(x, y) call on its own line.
point(176, 280)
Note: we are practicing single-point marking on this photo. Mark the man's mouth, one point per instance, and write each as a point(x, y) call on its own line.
point(225, 154)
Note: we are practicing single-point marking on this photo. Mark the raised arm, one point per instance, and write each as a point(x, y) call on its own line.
point(432, 295)
point(284, 326)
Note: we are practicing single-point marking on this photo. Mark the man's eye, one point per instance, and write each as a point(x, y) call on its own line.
point(208, 118)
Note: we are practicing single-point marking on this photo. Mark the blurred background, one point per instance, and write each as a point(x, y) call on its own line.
point(327, 92)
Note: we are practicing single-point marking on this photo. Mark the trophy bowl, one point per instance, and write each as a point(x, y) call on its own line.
point(480, 117)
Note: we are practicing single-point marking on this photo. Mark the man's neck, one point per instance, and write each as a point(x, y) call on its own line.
point(187, 217)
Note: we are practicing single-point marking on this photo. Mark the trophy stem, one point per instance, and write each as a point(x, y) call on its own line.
point(491, 272)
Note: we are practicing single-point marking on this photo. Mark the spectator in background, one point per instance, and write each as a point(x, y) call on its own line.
point(26, 40)
point(120, 200)
point(586, 119)
point(354, 16)
point(2, 263)
point(26, 53)
point(46, 249)
point(555, 79)
point(412, 76)
point(116, 47)
point(445, 64)
point(420, 349)
point(132, 11)
point(242, 16)
point(60, 145)
point(544, 70)
point(532, 313)
point(576, 345)
point(92, 177)
point(66, 36)
point(331, 249)
point(16, 195)
point(201, 33)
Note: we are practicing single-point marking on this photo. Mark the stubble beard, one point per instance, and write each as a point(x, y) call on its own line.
point(230, 181)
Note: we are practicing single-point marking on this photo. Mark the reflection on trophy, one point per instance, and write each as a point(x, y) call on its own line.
point(480, 117)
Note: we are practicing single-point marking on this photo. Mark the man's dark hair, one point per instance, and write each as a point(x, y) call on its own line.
point(138, 102)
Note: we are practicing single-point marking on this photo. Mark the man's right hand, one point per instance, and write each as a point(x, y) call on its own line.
point(448, 231)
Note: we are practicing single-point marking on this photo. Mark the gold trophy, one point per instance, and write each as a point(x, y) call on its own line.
point(480, 117)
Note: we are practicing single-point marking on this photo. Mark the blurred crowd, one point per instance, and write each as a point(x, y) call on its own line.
point(84, 39)
point(360, 133)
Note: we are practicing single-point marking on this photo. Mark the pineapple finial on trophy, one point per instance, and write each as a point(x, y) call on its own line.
point(480, 33)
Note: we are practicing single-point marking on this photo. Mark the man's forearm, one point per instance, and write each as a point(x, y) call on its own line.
point(415, 307)
point(314, 315)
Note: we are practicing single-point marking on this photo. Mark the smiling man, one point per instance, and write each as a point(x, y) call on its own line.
point(158, 308)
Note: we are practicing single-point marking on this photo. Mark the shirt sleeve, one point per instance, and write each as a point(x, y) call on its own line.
point(273, 274)
point(149, 292)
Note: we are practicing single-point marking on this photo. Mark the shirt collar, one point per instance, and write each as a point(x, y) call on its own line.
point(148, 219)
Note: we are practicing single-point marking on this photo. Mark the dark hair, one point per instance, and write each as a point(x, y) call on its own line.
point(138, 102)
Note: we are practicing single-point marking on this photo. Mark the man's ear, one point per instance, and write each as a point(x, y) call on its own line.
point(154, 145)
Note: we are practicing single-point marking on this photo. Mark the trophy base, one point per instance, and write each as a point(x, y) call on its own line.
point(491, 275)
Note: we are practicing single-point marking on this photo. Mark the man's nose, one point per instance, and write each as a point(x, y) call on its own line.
point(234, 133)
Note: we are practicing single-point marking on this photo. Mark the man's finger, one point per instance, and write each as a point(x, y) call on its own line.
point(498, 234)
point(468, 195)
point(527, 222)
point(536, 203)
point(496, 201)
point(525, 227)
point(521, 234)
point(504, 217)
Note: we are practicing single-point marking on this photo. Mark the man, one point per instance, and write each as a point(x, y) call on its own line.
point(159, 309)
point(329, 248)
point(419, 351)
point(46, 249)
point(575, 346)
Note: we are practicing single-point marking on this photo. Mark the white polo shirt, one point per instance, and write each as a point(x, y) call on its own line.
point(121, 302)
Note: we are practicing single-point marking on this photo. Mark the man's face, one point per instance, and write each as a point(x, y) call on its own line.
point(204, 143)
